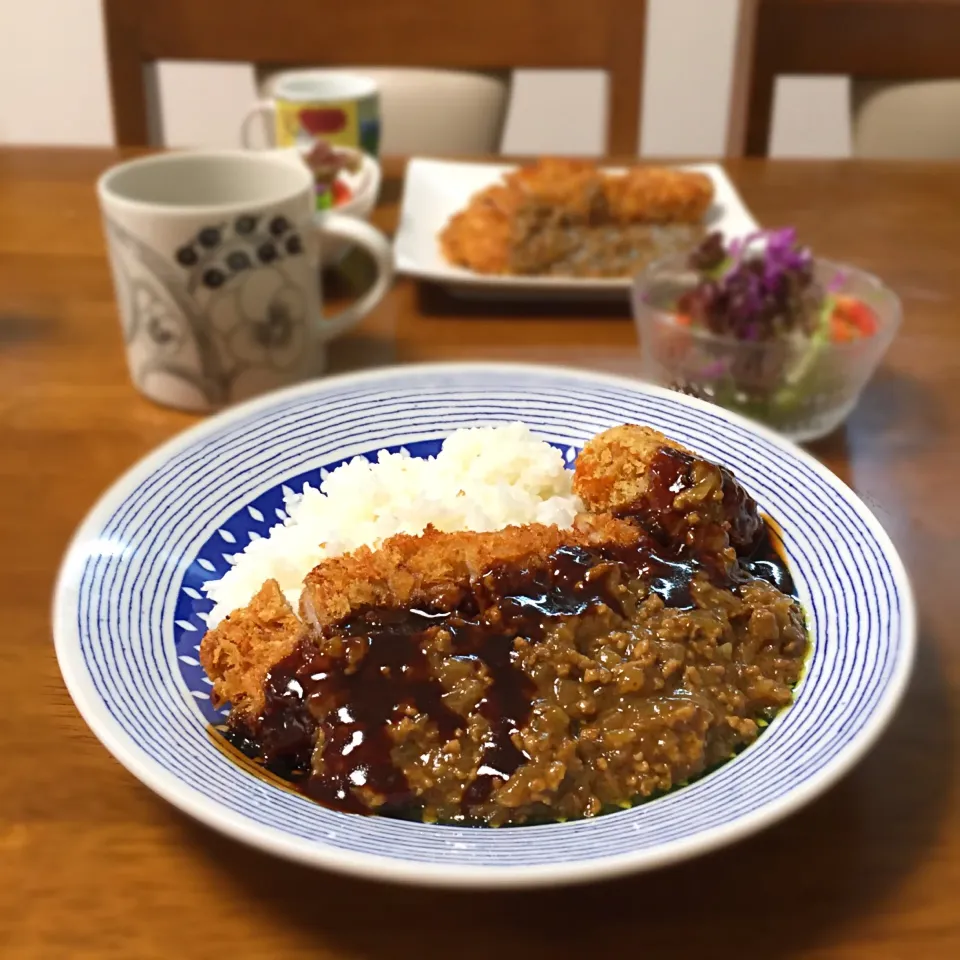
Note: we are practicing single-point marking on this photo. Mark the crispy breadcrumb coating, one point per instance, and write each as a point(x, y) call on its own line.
point(574, 188)
point(431, 568)
point(611, 471)
point(658, 195)
point(479, 236)
point(239, 652)
point(613, 474)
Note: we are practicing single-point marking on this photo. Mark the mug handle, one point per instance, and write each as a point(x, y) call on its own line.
point(261, 108)
point(377, 245)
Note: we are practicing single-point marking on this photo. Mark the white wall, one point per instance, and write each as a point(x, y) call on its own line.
point(53, 74)
point(53, 89)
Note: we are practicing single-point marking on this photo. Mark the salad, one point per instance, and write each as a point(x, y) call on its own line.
point(758, 325)
point(328, 164)
point(769, 294)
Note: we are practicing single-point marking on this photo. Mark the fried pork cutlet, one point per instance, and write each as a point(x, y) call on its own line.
point(524, 674)
point(681, 498)
point(238, 655)
point(479, 236)
point(613, 469)
point(572, 189)
point(658, 195)
point(570, 218)
point(433, 568)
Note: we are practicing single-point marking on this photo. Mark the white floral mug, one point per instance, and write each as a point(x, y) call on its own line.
point(215, 258)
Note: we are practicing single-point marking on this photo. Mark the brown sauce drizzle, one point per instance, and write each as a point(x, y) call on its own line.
point(768, 561)
point(734, 519)
point(388, 676)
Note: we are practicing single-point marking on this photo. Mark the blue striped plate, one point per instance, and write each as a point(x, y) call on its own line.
point(127, 619)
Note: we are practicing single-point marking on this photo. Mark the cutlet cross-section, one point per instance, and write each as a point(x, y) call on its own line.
point(682, 499)
point(239, 653)
point(527, 674)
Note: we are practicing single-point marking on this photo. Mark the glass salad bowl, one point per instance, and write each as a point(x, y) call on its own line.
point(802, 382)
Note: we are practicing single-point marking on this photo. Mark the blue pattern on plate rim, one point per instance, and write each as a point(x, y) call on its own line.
point(137, 596)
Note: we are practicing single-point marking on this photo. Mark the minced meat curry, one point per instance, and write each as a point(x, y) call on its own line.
point(529, 674)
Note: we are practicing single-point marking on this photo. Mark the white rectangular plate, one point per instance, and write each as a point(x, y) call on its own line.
point(434, 190)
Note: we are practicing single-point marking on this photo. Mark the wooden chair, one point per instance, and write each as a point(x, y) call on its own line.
point(867, 40)
point(461, 34)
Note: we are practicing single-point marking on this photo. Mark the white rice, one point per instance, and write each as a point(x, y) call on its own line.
point(483, 479)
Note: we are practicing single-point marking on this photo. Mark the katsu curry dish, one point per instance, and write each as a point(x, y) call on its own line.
point(571, 218)
point(489, 637)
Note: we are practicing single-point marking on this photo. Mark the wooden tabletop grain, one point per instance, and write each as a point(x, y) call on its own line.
point(92, 864)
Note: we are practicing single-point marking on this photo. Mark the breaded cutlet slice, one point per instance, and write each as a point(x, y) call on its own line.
point(709, 511)
point(433, 568)
point(658, 195)
point(479, 236)
point(241, 650)
point(571, 188)
point(611, 471)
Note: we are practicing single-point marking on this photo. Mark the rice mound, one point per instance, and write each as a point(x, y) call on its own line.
point(484, 478)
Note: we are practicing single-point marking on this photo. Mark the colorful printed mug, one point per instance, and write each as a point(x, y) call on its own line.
point(307, 105)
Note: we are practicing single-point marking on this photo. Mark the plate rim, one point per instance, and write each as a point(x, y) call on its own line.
point(413, 872)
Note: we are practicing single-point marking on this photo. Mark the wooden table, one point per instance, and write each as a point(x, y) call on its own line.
point(94, 865)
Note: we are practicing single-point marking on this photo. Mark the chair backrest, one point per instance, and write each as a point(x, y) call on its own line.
point(863, 39)
point(906, 119)
point(460, 34)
